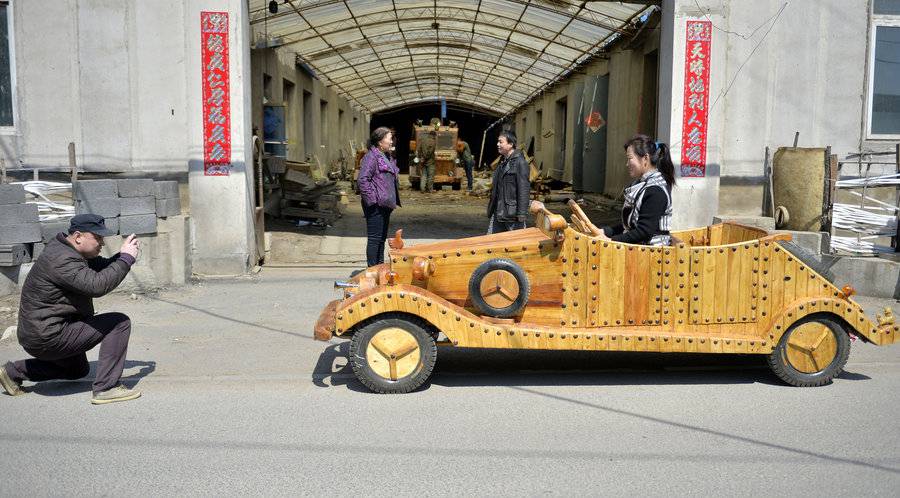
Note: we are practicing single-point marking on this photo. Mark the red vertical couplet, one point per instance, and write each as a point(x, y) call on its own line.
point(216, 102)
point(696, 98)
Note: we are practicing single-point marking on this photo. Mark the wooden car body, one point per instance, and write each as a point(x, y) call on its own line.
point(725, 288)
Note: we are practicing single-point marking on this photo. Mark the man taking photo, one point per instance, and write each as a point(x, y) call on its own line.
point(57, 324)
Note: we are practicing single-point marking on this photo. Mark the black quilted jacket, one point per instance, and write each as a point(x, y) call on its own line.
point(60, 289)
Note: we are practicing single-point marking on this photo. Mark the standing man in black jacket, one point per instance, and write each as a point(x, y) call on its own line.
point(57, 324)
point(510, 188)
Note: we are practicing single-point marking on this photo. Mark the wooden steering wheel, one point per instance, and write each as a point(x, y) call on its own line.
point(580, 220)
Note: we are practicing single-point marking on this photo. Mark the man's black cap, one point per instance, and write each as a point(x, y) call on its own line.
point(92, 223)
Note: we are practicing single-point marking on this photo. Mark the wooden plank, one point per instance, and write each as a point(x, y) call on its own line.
point(708, 286)
point(636, 290)
point(654, 300)
point(735, 282)
point(669, 301)
point(776, 295)
point(746, 277)
point(789, 277)
point(592, 284)
point(682, 287)
point(724, 274)
point(617, 285)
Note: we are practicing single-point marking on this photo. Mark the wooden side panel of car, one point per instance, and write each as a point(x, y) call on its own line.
point(723, 285)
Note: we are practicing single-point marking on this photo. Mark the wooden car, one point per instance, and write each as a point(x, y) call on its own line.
point(724, 288)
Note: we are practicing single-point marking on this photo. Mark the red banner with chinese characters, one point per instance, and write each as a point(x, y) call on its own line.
point(696, 98)
point(216, 103)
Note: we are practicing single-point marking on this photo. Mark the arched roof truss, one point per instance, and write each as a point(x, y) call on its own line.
point(490, 54)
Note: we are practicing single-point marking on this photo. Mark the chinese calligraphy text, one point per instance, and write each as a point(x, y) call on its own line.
point(696, 98)
point(216, 103)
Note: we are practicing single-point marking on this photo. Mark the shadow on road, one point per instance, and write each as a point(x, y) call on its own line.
point(460, 367)
point(68, 387)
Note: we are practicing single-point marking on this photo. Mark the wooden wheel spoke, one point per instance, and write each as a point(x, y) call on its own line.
point(821, 338)
point(799, 348)
point(393, 368)
point(812, 359)
point(505, 293)
point(405, 351)
point(381, 348)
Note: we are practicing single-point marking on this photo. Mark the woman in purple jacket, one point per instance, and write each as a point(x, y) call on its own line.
point(379, 189)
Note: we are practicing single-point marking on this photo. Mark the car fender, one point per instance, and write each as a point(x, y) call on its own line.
point(440, 313)
point(847, 311)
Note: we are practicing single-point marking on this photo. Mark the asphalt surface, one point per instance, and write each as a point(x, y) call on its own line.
point(238, 399)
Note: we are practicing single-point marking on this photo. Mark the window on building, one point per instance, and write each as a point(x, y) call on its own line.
point(538, 130)
point(884, 71)
point(323, 121)
point(290, 119)
point(6, 69)
point(309, 147)
point(267, 89)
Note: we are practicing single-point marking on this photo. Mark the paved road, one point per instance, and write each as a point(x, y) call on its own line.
point(238, 399)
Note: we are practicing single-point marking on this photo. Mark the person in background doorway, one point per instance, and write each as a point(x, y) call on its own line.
point(57, 324)
point(510, 188)
point(647, 212)
point(467, 159)
point(379, 190)
point(429, 142)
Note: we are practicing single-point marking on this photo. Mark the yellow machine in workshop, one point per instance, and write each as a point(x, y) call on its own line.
point(448, 168)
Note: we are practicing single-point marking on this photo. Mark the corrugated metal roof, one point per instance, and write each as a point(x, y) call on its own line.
point(492, 54)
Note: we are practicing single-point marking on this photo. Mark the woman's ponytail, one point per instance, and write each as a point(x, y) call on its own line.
point(664, 163)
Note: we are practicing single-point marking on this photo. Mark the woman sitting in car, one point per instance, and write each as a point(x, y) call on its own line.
point(647, 212)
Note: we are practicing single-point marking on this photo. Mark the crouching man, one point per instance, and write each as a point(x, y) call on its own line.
point(57, 324)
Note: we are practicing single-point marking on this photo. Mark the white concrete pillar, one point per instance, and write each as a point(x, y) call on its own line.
point(695, 200)
point(221, 206)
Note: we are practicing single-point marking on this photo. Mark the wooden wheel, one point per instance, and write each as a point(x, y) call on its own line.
point(393, 353)
point(811, 352)
point(811, 347)
point(499, 288)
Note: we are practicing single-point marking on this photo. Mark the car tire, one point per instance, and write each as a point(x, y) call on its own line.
point(503, 305)
point(811, 353)
point(393, 353)
point(415, 184)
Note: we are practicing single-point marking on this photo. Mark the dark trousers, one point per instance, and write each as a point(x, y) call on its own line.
point(469, 167)
point(377, 219)
point(66, 359)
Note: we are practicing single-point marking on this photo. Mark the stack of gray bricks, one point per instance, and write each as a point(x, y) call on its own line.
point(137, 208)
point(168, 200)
point(130, 206)
point(20, 227)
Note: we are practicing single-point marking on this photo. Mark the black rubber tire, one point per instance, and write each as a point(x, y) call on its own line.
point(807, 258)
point(420, 329)
point(521, 279)
point(785, 371)
point(457, 185)
point(415, 184)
